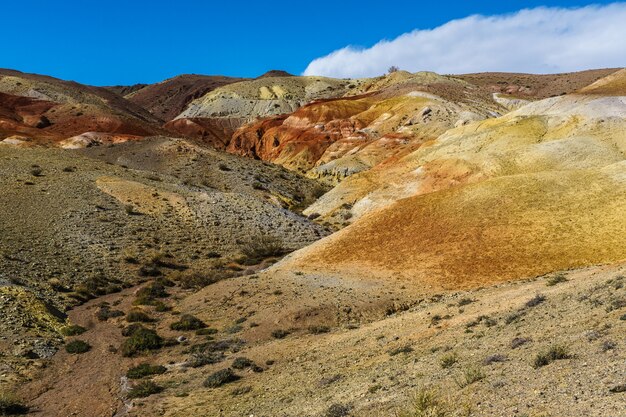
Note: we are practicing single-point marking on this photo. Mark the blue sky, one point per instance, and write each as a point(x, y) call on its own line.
point(131, 41)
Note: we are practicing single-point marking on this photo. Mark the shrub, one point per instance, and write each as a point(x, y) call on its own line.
point(144, 370)
point(129, 330)
point(223, 167)
point(494, 358)
point(105, 313)
point(144, 389)
point(197, 280)
point(141, 340)
point(465, 301)
point(519, 341)
point(535, 301)
point(36, 172)
point(448, 360)
point(401, 349)
point(263, 246)
point(280, 334)
point(470, 375)
point(202, 358)
point(10, 405)
point(241, 390)
point(135, 316)
point(319, 329)
point(206, 331)
point(553, 353)
point(188, 322)
point(242, 363)
point(338, 410)
point(221, 377)
point(555, 279)
point(426, 403)
point(73, 330)
point(77, 347)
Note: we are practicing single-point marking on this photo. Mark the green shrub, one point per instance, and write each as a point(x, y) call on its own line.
point(188, 322)
point(553, 353)
point(105, 313)
point(144, 370)
point(144, 389)
point(221, 377)
point(77, 347)
point(206, 331)
point(470, 375)
point(140, 340)
point(73, 330)
point(448, 360)
point(426, 403)
point(242, 363)
point(135, 316)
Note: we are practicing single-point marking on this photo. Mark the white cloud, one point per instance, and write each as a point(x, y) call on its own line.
point(541, 40)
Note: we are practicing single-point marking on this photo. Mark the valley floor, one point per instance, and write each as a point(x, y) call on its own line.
point(477, 351)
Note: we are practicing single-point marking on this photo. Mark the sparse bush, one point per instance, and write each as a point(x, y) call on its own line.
point(261, 247)
point(608, 345)
point(202, 358)
point(338, 410)
point(318, 329)
point(144, 389)
point(513, 317)
point(130, 210)
point(73, 330)
point(448, 360)
point(241, 390)
point(206, 331)
point(221, 377)
point(145, 370)
point(105, 313)
point(135, 316)
point(553, 353)
point(494, 359)
point(197, 280)
point(555, 279)
point(426, 403)
point(77, 347)
point(401, 349)
point(242, 363)
point(10, 405)
point(223, 167)
point(471, 374)
point(519, 341)
point(464, 301)
point(36, 172)
point(140, 340)
point(535, 301)
point(280, 334)
point(188, 322)
point(393, 69)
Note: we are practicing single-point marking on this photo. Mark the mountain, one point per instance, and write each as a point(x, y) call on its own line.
point(409, 244)
point(71, 110)
point(169, 98)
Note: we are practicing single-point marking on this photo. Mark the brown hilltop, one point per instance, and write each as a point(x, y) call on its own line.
point(535, 86)
point(169, 98)
point(64, 109)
